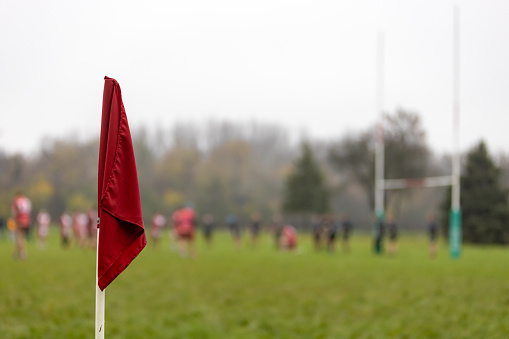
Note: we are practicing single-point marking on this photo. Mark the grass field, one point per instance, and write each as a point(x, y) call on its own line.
point(260, 293)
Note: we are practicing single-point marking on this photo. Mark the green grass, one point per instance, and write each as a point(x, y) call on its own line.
point(260, 293)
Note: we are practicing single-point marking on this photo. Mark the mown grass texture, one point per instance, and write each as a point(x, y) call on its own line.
point(258, 292)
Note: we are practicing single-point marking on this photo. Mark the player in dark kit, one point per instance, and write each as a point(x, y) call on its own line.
point(233, 225)
point(346, 229)
point(208, 227)
point(378, 231)
point(330, 229)
point(433, 234)
point(392, 233)
point(256, 224)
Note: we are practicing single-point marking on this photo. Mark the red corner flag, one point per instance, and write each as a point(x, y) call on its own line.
point(121, 230)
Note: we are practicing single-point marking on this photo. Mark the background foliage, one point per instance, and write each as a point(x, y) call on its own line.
point(484, 202)
point(225, 167)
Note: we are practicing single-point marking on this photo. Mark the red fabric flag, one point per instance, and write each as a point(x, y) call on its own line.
point(122, 234)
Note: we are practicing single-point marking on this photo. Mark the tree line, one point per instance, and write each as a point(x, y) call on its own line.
point(225, 167)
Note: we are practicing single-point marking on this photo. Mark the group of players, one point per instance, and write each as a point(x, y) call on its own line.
point(78, 227)
point(387, 228)
point(184, 224)
point(326, 229)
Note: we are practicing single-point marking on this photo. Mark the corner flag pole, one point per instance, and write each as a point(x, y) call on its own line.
point(455, 217)
point(379, 147)
point(120, 229)
point(99, 297)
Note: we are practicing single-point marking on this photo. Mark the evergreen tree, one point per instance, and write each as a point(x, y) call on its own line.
point(485, 209)
point(305, 189)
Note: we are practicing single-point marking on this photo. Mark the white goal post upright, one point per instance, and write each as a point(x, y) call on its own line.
point(379, 147)
point(455, 217)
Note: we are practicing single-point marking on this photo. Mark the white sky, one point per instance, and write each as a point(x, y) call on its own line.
point(307, 65)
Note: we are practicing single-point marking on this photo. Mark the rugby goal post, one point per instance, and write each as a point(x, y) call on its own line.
point(382, 184)
point(439, 181)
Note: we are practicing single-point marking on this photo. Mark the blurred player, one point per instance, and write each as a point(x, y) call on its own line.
point(156, 227)
point(331, 229)
point(392, 233)
point(92, 227)
point(43, 222)
point(277, 227)
point(20, 210)
point(346, 229)
point(11, 227)
point(2, 227)
point(254, 228)
point(288, 240)
point(433, 234)
point(79, 227)
point(233, 225)
point(378, 231)
point(184, 221)
point(208, 227)
point(317, 230)
point(65, 229)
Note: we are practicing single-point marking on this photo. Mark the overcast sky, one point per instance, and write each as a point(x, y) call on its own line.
point(306, 65)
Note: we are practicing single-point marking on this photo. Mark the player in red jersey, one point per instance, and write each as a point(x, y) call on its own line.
point(288, 238)
point(20, 210)
point(184, 221)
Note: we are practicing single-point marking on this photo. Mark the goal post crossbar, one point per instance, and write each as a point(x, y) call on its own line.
point(394, 184)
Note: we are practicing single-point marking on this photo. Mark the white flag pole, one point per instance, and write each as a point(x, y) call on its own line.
point(99, 298)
